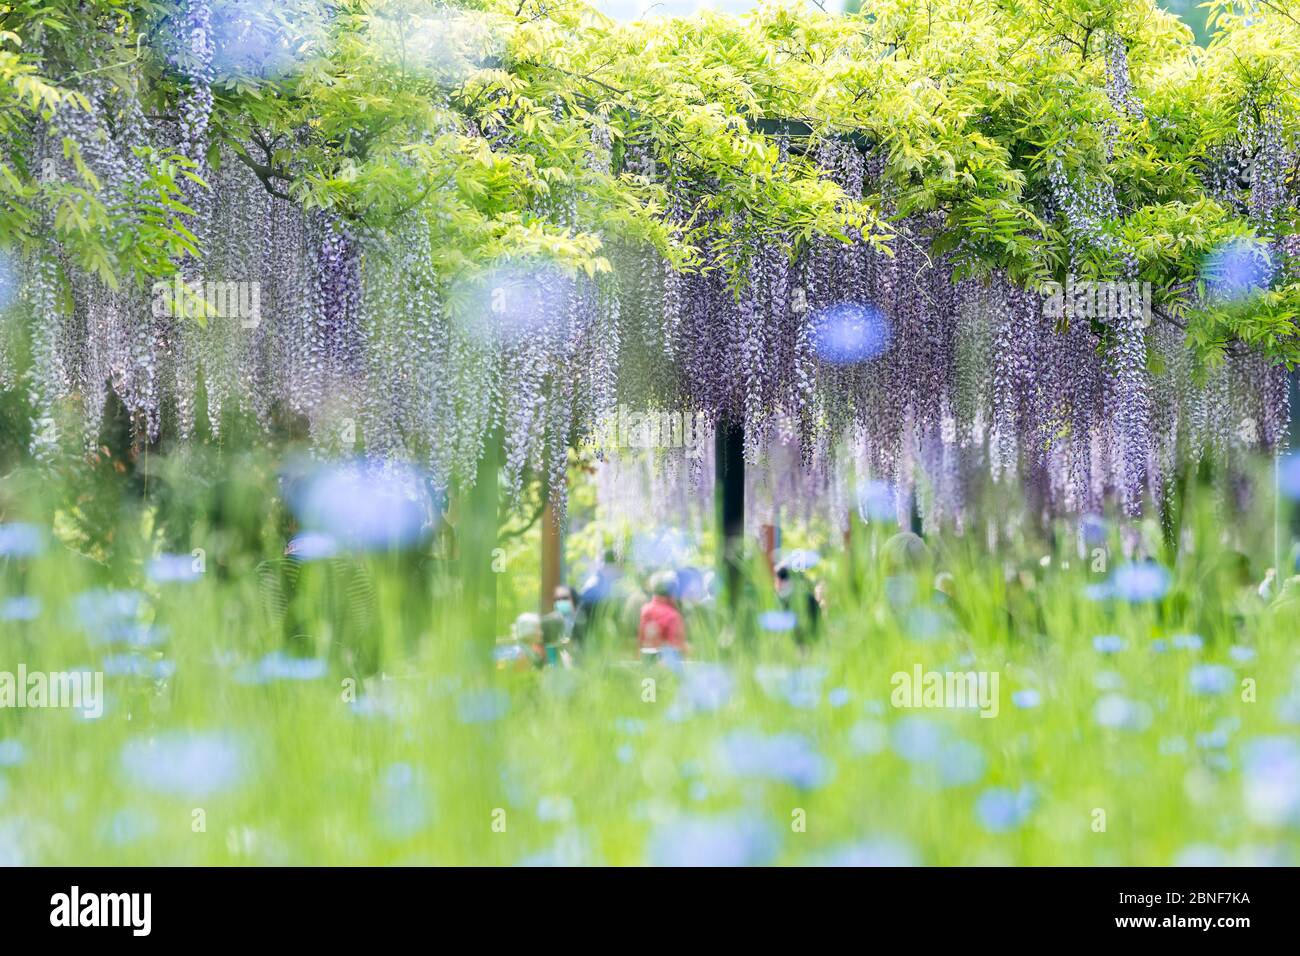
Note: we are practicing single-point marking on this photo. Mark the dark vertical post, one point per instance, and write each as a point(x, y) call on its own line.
point(729, 455)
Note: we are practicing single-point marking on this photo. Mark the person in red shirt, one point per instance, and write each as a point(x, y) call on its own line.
point(662, 624)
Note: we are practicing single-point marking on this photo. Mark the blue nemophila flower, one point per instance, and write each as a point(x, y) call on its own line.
point(1242, 655)
point(1027, 699)
point(626, 753)
point(1139, 582)
point(707, 687)
point(1108, 644)
point(1270, 778)
point(21, 540)
point(312, 546)
point(784, 757)
point(1121, 713)
point(365, 505)
point(777, 621)
point(183, 764)
point(1216, 739)
point(553, 809)
point(839, 697)
point(12, 753)
point(1093, 530)
point(918, 739)
point(1288, 475)
point(882, 852)
point(134, 665)
point(1159, 645)
point(1188, 642)
point(482, 706)
point(401, 804)
point(849, 333)
point(740, 839)
point(21, 608)
point(99, 609)
point(1211, 679)
point(173, 568)
point(877, 502)
point(1100, 591)
point(1001, 810)
point(278, 666)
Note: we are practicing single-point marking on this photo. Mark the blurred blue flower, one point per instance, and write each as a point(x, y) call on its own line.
point(1119, 712)
point(849, 333)
point(99, 611)
point(868, 737)
point(626, 753)
point(134, 665)
point(707, 687)
point(918, 739)
point(1242, 655)
point(1108, 644)
point(1288, 478)
point(173, 568)
point(126, 827)
point(1094, 531)
point(365, 505)
point(839, 697)
point(1216, 739)
point(21, 608)
point(1211, 679)
point(482, 706)
point(785, 757)
point(960, 764)
point(886, 852)
point(401, 804)
point(278, 666)
point(19, 540)
point(1139, 582)
point(132, 634)
point(725, 840)
point(1001, 810)
point(1188, 642)
point(1170, 746)
point(312, 546)
point(12, 752)
point(183, 764)
point(553, 809)
point(1271, 780)
point(777, 621)
point(876, 502)
point(1027, 699)
point(1102, 591)
point(1237, 270)
point(1159, 645)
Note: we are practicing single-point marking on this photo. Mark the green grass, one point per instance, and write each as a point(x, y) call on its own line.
point(595, 765)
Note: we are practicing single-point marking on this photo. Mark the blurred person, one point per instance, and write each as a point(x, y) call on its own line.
point(796, 594)
point(662, 624)
point(555, 642)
